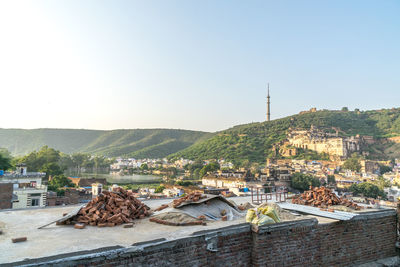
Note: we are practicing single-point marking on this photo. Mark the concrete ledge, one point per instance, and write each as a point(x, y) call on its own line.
point(228, 230)
point(163, 244)
point(149, 242)
point(312, 222)
point(65, 257)
point(374, 214)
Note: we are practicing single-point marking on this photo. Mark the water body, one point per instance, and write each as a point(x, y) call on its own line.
point(124, 179)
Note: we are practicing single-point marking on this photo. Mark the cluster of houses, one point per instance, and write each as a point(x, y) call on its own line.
point(21, 189)
point(277, 174)
point(132, 163)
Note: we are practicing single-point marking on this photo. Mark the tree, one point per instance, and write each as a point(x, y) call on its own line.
point(5, 159)
point(353, 163)
point(48, 154)
point(245, 164)
point(384, 169)
point(345, 109)
point(144, 167)
point(66, 162)
point(45, 160)
point(255, 168)
point(59, 181)
point(37, 159)
point(159, 189)
point(184, 183)
point(367, 189)
point(79, 159)
point(196, 173)
point(51, 169)
point(213, 166)
point(303, 181)
point(331, 179)
point(381, 182)
point(198, 164)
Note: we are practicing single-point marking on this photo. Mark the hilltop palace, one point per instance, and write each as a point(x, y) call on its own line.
point(323, 142)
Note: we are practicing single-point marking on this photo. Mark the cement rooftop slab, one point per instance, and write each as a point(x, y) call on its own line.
point(59, 239)
point(54, 239)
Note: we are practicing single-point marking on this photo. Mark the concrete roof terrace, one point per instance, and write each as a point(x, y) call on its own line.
point(60, 239)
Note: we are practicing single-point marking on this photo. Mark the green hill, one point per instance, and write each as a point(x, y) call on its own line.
point(251, 142)
point(254, 141)
point(139, 143)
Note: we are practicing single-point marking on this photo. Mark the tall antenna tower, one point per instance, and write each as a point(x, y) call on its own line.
point(268, 105)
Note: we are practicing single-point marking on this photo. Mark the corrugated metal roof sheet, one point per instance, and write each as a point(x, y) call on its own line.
point(337, 215)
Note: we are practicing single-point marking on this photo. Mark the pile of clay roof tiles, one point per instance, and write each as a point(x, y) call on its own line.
point(111, 208)
point(322, 197)
point(192, 197)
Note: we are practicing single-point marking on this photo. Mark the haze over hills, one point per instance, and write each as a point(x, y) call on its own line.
point(139, 143)
point(251, 142)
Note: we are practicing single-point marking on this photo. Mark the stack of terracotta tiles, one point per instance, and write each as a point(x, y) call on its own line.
point(111, 208)
point(322, 197)
point(192, 197)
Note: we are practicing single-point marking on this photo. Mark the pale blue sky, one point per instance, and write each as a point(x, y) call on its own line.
point(201, 65)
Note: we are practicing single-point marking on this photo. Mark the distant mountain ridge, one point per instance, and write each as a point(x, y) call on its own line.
point(139, 143)
point(252, 142)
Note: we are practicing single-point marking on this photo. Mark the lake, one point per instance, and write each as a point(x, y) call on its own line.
point(124, 179)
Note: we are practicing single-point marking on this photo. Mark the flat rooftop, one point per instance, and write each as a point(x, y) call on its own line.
point(60, 239)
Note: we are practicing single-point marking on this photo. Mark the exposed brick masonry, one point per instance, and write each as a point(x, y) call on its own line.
point(370, 236)
point(6, 195)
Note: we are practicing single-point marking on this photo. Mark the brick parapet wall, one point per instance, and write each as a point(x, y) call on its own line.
point(6, 191)
point(369, 237)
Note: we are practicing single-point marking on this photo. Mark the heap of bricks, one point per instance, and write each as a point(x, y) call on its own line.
point(111, 208)
point(192, 197)
point(322, 197)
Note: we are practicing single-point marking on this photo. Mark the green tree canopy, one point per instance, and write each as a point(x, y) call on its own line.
point(213, 166)
point(196, 173)
point(51, 169)
point(5, 159)
point(384, 169)
point(331, 179)
point(144, 167)
point(159, 189)
point(353, 163)
point(37, 159)
point(59, 181)
point(198, 164)
point(255, 168)
point(80, 159)
point(367, 189)
point(382, 182)
point(303, 181)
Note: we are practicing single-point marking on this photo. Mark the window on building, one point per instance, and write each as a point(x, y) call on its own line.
point(35, 202)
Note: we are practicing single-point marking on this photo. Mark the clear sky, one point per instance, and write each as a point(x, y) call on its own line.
point(201, 65)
